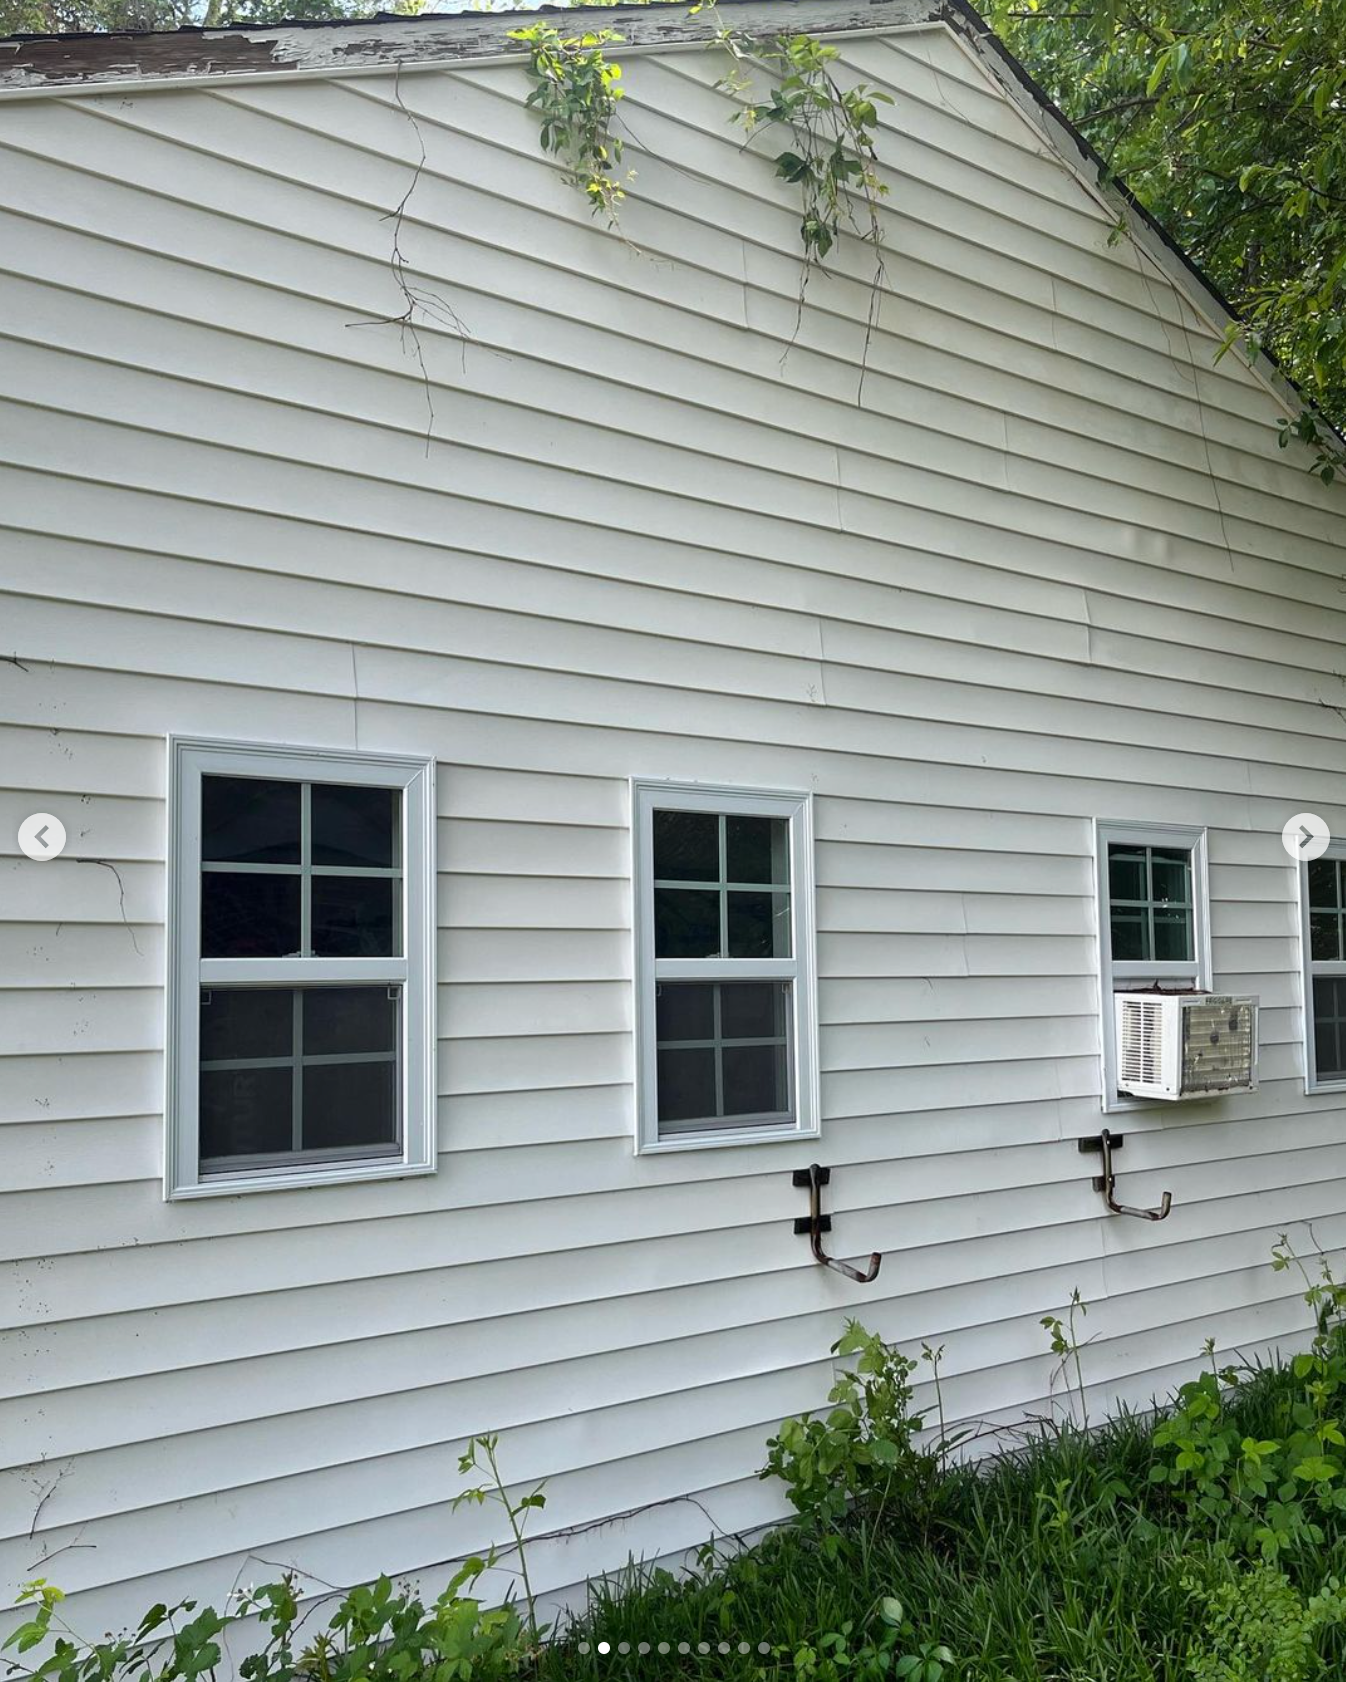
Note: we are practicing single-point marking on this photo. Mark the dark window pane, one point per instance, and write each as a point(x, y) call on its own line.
point(686, 923)
point(1325, 937)
point(246, 820)
point(246, 1022)
point(245, 1112)
point(754, 1080)
point(686, 1085)
point(249, 915)
point(1172, 876)
point(1327, 1050)
point(1329, 1009)
point(752, 1010)
point(759, 925)
point(1126, 873)
point(344, 1019)
point(356, 916)
point(1130, 937)
point(350, 1106)
point(1324, 883)
point(355, 825)
point(687, 846)
point(685, 1010)
point(758, 849)
point(1172, 936)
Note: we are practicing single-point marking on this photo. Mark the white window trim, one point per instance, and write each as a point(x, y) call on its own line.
point(1112, 975)
point(647, 793)
point(189, 757)
point(1310, 969)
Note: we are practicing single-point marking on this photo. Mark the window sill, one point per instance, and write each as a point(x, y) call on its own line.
point(723, 1139)
point(1313, 1087)
point(1125, 1106)
point(333, 1174)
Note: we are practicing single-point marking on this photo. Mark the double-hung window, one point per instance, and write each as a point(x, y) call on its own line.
point(301, 967)
point(1322, 891)
point(724, 966)
point(1154, 922)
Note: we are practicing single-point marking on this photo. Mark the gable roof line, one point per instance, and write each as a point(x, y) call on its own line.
point(36, 66)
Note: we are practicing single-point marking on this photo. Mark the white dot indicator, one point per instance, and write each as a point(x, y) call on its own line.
point(42, 837)
point(1306, 836)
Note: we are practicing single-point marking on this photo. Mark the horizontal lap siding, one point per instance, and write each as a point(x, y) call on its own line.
point(1051, 568)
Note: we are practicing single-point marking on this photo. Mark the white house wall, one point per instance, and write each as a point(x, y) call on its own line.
point(1052, 567)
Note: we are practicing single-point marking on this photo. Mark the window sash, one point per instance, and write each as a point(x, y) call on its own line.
point(1317, 969)
point(188, 973)
point(801, 1121)
point(1117, 975)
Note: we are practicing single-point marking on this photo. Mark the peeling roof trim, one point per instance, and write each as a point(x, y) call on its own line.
point(66, 64)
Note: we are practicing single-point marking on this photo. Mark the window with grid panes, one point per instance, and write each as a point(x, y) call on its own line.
point(302, 961)
point(724, 889)
point(1323, 887)
point(1153, 901)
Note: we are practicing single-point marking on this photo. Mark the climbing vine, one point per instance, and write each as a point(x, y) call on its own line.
point(831, 156)
point(575, 93)
point(784, 81)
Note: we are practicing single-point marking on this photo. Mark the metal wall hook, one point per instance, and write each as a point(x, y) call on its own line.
point(815, 1223)
point(1106, 1182)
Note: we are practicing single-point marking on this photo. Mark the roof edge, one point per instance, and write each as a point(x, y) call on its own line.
point(37, 64)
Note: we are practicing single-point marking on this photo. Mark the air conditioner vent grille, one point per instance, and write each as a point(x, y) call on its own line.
point(1142, 1042)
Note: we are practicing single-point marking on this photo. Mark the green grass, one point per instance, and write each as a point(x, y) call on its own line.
point(1057, 1561)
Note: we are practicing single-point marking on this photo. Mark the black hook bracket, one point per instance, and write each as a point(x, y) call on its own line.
point(1105, 1144)
point(815, 1223)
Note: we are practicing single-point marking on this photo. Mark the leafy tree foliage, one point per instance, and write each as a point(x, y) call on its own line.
point(1227, 118)
point(57, 17)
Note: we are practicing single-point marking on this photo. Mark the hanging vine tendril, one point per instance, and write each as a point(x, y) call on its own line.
point(784, 81)
point(575, 93)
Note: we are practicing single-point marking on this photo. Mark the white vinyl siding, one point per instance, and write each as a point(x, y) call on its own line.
point(1053, 566)
point(726, 1040)
point(300, 979)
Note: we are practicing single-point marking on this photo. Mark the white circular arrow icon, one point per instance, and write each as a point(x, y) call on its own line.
point(42, 837)
point(1306, 836)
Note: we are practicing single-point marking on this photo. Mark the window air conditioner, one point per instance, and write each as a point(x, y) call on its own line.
point(1185, 1045)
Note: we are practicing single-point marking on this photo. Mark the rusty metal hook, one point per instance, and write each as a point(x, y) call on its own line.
point(1106, 1182)
point(815, 1223)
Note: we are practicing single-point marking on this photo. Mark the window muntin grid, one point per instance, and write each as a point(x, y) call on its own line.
point(287, 1027)
point(1151, 907)
point(1327, 916)
point(737, 1053)
point(291, 904)
point(705, 904)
